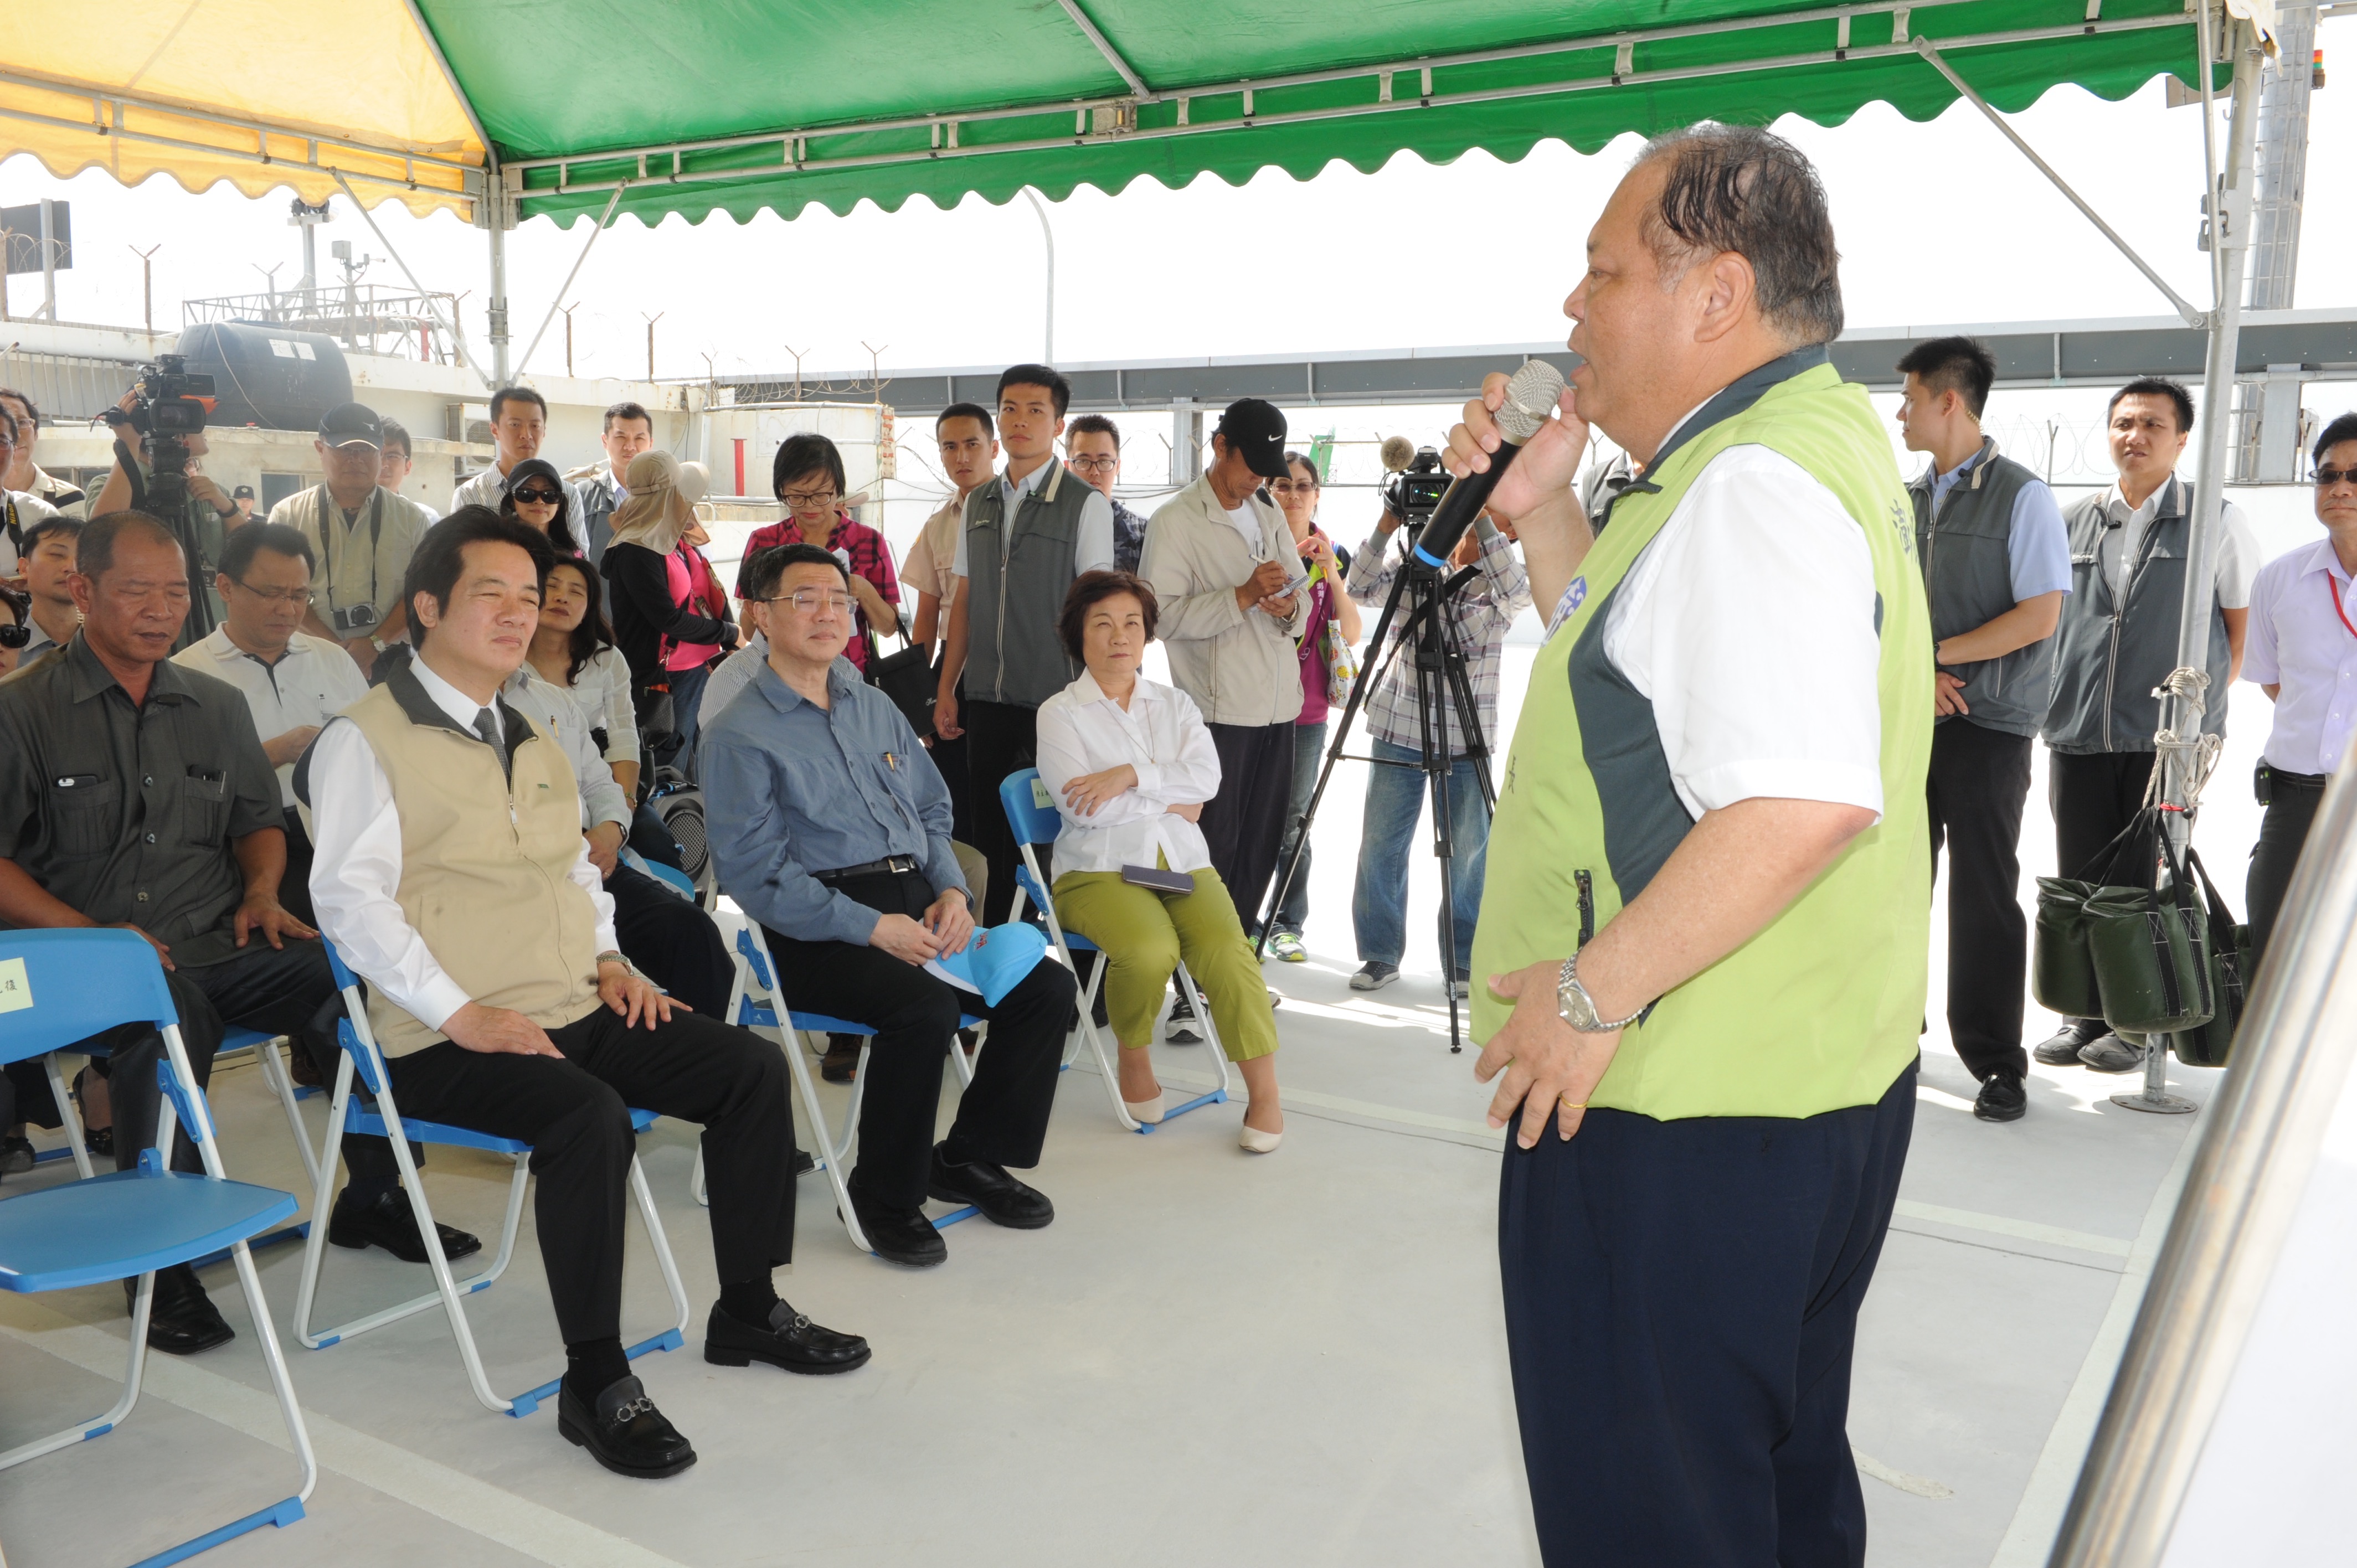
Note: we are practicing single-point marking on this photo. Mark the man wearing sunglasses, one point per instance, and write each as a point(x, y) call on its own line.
point(360, 533)
point(2303, 655)
point(2117, 643)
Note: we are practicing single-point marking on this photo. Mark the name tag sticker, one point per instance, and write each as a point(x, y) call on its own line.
point(15, 990)
point(1039, 796)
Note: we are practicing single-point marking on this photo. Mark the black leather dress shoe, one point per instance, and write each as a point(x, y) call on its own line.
point(389, 1222)
point(804, 1163)
point(182, 1319)
point(1002, 1198)
point(902, 1236)
point(791, 1341)
point(623, 1430)
point(16, 1155)
point(841, 1063)
point(2001, 1098)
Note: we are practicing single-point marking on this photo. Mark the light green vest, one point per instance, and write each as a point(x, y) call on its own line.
point(1821, 1009)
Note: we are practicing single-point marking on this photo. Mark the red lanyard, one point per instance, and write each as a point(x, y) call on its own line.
point(2338, 608)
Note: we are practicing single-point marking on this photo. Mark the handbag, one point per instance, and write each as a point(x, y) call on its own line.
point(1341, 659)
point(2062, 968)
point(907, 677)
point(2230, 969)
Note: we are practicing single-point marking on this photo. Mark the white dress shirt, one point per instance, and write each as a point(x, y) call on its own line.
point(1162, 734)
point(1092, 540)
point(568, 714)
point(1749, 623)
point(356, 833)
point(2233, 563)
point(2303, 641)
point(312, 681)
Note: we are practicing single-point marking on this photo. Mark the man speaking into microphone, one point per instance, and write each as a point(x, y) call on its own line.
point(1701, 959)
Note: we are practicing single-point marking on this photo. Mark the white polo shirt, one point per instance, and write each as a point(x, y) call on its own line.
point(312, 681)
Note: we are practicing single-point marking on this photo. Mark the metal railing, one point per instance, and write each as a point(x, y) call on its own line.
point(361, 315)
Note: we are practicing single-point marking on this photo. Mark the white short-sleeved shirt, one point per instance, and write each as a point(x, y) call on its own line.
point(2303, 641)
point(310, 684)
point(2234, 563)
point(1749, 623)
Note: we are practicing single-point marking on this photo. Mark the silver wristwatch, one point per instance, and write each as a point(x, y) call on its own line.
point(1577, 1008)
point(617, 956)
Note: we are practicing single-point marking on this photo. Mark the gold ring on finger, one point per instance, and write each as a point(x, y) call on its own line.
point(1570, 1104)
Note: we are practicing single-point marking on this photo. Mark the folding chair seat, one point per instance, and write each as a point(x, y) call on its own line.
point(754, 1003)
point(348, 1115)
point(1031, 812)
point(61, 986)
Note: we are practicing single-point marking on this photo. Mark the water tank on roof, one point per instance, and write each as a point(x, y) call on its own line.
point(270, 376)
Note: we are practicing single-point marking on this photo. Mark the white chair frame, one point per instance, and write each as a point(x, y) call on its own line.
point(274, 1074)
point(449, 1291)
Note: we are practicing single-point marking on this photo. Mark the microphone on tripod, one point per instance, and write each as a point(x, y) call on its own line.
point(1531, 397)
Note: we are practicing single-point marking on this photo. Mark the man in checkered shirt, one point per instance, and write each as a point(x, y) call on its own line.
point(1481, 612)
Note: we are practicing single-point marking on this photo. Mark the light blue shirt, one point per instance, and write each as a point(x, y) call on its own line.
point(1092, 541)
point(2037, 544)
point(793, 788)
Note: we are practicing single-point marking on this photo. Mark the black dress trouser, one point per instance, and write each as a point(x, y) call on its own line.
point(1978, 783)
point(575, 1115)
point(1244, 824)
point(1000, 738)
point(1680, 1303)
point(1003, 1116)
point(2095, 795)
point(2291, 809)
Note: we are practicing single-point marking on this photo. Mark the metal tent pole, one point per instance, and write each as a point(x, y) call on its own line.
point(1048, 231)
point(499, 300)
point(2183, 701)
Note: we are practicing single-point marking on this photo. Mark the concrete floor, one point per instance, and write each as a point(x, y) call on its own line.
point(1209, 1358)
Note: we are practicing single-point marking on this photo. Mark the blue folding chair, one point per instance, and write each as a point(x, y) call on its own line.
point(61, 986)
point(345, 1114)
point(754, 1003)
point(1031, 812)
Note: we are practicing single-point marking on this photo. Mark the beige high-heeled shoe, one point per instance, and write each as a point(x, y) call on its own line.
point(1144, 1112)
point(1257, 1142)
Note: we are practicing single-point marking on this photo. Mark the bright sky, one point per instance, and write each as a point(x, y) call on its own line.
point(1938, 224)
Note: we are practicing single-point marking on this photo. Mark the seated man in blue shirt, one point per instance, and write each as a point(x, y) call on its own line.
point(832, 828)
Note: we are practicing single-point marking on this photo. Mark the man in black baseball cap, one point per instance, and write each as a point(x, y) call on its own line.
point(1227, 580)
point(1254, 431)
point(361, 536)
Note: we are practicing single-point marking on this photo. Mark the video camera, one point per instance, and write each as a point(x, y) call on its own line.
point(169, 403)
point(1414, 486)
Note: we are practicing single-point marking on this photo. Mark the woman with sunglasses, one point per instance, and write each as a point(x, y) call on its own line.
point(808, 476)
point(1333, 626)
point(538, 496)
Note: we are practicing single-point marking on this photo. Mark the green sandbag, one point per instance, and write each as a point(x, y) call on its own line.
point(2061, 974)
point(2151, 955)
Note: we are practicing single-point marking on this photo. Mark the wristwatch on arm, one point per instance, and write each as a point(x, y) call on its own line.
point(1577, 1009)
point(615, 955)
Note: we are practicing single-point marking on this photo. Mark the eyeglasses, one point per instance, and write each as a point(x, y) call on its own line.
point(808, 600)
point(539, 496)
point(302, 597)
point(1293, 487)
point(1094, 465)
point(808, 497)
point(2328, 477)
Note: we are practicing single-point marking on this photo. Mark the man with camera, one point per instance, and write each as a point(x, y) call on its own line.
point(1703, 946)
point(20, 509)
point(1478, 616)
point(1224, 570)
point(361, 533)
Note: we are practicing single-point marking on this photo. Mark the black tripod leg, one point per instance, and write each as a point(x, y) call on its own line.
point(1432, 734)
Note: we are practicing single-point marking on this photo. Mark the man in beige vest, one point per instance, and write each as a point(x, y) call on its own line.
point(452, 875)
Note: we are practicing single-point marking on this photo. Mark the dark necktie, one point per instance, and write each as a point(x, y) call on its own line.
point(486, 724)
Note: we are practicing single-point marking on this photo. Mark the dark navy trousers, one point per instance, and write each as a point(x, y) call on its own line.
point(1680, 1302)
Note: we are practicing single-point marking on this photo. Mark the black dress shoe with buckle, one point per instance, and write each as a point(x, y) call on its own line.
point(623, 1430)
point(791, 1341)
point(181, 1319)
point(2001, 1098)
point(1002, 1198)
point(902, 1236)
point(389, 1222)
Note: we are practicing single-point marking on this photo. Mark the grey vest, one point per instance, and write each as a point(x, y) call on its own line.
point(2109, 656)
point(1018, 573)
point(1966, 552)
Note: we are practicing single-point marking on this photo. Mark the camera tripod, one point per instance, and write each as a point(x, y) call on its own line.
point(1419, 598)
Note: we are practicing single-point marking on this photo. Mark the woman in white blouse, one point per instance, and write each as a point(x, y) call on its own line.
point(1130, 764)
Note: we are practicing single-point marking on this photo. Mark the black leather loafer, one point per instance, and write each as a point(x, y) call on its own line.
point(391, 1224)
point(182, 1319)
point(2001, 1098)
point(902, 1236)
point(624, 1432)
point(804, 1163)
point(841, 1063)
point(791, 1341)
point(1002, 1198)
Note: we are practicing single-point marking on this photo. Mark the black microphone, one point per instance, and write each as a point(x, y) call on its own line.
point(1531, 397)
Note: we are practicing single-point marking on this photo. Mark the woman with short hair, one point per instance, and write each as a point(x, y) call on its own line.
point(1130, 763)
point(807, 477)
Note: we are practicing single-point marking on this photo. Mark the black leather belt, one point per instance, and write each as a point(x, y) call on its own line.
point(2297, 780)
point(890, 866)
